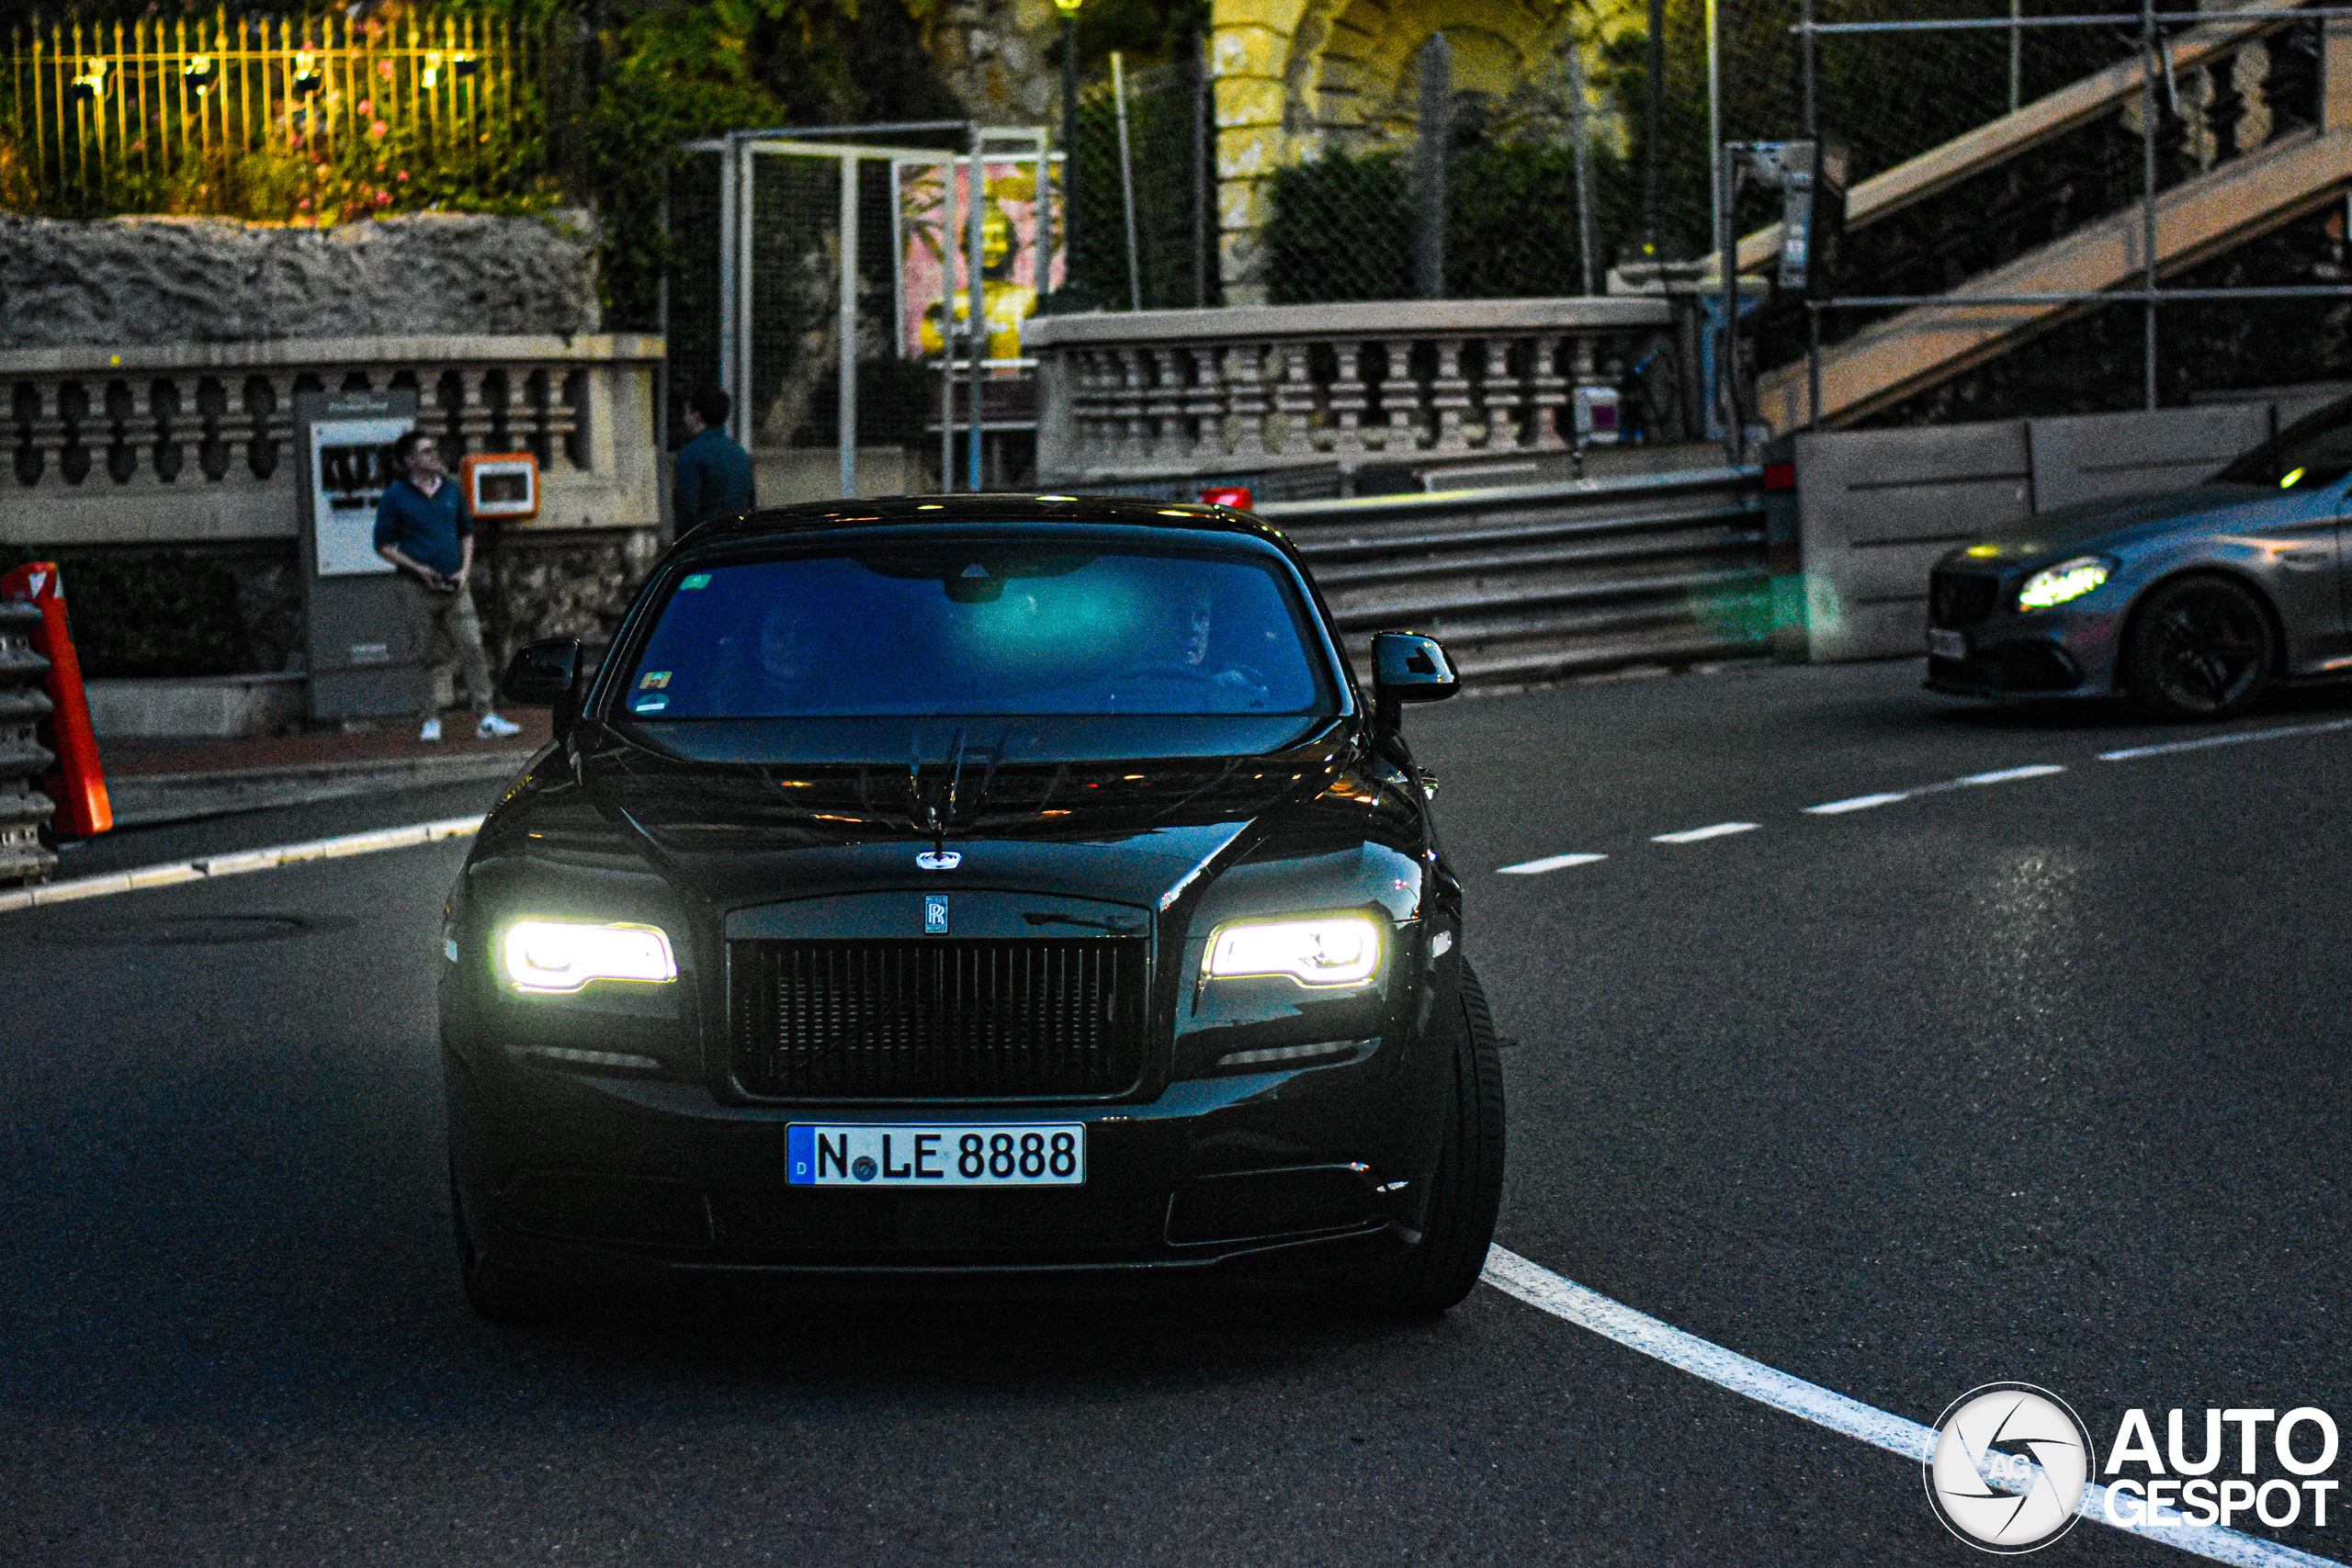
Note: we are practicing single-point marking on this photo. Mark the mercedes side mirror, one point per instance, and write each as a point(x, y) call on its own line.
point(1409, 668)
point(546, 674)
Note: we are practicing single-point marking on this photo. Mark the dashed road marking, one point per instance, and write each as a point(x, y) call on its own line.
point(234, 864)
point(1694, 835)
point(1566, 1300)
point(1549, 863)
point(2031, 771)
point(1860, 803)
point(2239, 739)
point(1864, 802)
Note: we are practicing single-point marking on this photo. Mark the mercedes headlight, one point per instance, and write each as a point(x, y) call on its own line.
point(563, 955)
point(1319, 950)
point(2060, 584)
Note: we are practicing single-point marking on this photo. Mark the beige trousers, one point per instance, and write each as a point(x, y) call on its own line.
point(445, 619)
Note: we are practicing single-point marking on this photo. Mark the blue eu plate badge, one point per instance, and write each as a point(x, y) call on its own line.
point(934, 914)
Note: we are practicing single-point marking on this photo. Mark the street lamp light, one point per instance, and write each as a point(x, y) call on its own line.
point(1071, 287)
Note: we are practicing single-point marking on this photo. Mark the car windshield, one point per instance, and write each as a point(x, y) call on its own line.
point(2306, 455)
point(980, 625)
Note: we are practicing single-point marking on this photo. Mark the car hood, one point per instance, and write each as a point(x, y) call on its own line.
point(1021, 814)
point(2119, 521)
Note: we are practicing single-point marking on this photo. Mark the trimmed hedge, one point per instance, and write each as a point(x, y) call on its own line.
point(148, 614)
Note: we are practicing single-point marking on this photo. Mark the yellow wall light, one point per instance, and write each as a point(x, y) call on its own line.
point(1317, 949)
point(2291, 477)
point(556, 956)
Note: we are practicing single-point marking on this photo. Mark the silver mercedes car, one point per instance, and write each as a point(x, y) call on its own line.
point(2191, 603)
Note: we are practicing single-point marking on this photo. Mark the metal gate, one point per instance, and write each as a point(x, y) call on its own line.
point(827, 287)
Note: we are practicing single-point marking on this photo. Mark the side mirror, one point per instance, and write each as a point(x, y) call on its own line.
point(546, 674)
point(1409, 668)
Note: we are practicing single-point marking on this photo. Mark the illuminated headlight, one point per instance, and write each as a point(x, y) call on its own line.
point(563, 955)
point(1326, 950)
point(2067, 580)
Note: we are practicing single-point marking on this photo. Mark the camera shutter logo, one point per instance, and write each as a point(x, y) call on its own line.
point(2009, 1466)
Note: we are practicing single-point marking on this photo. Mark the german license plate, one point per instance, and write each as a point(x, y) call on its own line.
point(996, 1153)
point(1946, 644)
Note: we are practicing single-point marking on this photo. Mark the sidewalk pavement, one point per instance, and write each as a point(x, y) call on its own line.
point(177, 781)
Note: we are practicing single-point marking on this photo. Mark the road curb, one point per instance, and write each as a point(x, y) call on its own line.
point(143, 800)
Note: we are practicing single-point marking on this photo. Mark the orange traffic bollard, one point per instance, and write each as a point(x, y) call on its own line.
point(78, 782)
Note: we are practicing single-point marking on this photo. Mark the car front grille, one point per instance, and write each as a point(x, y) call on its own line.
point(1960, 599)
point(939, 1018)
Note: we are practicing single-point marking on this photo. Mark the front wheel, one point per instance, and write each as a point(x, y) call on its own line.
point(1467, 1190)
point(2200, 647)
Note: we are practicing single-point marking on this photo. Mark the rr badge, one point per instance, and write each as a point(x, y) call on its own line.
point(934, 914)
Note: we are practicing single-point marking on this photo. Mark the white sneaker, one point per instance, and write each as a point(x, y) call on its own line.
point(492, 725)
point(432, 730)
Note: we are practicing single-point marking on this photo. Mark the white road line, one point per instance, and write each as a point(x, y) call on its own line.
point(1693, 835)
point(1566, 1300)
point(234, 864)
point(2031, 771)
point(1549, 863)
point(2240, 738)
point(1860, 803)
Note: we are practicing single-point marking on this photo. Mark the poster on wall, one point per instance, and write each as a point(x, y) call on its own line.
point(349, 470)
point(1008, 252)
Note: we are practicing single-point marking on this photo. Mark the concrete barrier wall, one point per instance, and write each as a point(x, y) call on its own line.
point(1876, 508)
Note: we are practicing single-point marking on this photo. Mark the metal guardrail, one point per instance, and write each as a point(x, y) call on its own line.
point(24, 703)
point(1537, 582)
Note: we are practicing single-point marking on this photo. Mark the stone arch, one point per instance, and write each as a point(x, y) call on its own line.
point(1294, 78)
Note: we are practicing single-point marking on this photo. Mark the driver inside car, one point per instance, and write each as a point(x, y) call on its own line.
point(1195, 622)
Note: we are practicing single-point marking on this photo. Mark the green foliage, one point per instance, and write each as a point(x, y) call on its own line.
point(1510, 223)
point(672, 75)
point(148, 614)
point(1340, 229)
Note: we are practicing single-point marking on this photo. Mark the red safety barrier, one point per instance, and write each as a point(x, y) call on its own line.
point(78, 782)
point(1236, 496)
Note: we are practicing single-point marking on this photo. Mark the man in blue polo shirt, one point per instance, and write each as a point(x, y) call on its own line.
point(423, 529)
point(713, 478)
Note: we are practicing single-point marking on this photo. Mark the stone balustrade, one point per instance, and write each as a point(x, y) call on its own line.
point(1138, 394)
point(181, 443)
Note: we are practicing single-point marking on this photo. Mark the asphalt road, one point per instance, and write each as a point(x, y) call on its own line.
point(2040, 1079)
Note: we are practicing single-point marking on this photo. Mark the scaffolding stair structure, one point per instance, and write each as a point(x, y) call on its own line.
point(2236, 201)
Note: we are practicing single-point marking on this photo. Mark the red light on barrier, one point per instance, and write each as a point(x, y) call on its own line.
point(78, 782)
point(1236, 496)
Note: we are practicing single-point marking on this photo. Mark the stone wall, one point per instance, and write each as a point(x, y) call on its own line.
point(206, 280)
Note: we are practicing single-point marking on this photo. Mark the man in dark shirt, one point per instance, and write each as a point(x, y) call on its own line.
point(423, 528)
point(714, 474)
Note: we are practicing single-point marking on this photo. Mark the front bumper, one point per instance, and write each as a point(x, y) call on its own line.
point(576, 1174)
point(2069, 651)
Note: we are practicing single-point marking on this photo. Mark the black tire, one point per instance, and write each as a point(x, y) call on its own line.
point(2199, 647)
point(498, 1294)
point(1466, 1190)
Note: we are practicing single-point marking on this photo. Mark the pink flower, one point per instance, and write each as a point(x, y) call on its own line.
point(384, 69)
point(378, 130)
point(366, 105)
point(404, 176)
point(304, 204)
point(383, 198)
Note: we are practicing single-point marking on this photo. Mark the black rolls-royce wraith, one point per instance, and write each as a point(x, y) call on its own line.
point(969, 886)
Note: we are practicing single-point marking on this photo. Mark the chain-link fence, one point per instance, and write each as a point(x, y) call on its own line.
point(794, 326)
point(785, 250)
point(1142, 170)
